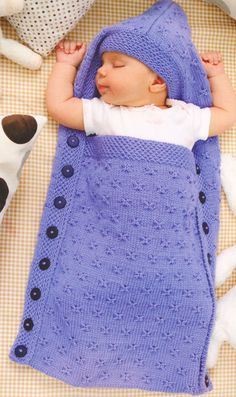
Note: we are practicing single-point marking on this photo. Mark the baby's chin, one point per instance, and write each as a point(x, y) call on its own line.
point(109, 101)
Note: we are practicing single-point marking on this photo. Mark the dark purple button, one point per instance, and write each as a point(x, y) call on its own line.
point(205, 227)
point(44, 264)
point(202, 197)
point(60, 202)
point(35, 294)
point(209, 258)
point(20, 351)
point(52, 232)
point(73, 141)
point(28, 324)
point(206, 381)
point(198, 170)
point(67, 171)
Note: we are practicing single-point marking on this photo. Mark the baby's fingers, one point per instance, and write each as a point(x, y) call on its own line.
point(60, 45)
point(72, 47)
point(219, 57)
point(66, 46)
point(207, 57)
point(216, 58)
point(212, 57)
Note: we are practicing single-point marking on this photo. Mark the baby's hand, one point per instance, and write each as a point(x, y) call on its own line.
point(71, 52)
point(213, 63)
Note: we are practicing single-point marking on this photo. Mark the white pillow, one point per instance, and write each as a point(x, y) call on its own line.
point(228, 6)
point(18, 134)
point(43, 23)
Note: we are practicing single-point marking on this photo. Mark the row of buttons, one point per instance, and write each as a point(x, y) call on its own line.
point(202, 198)
point(51, 232)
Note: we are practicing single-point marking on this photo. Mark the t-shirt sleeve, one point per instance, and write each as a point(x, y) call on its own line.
point(95, 113)
point(201, 122)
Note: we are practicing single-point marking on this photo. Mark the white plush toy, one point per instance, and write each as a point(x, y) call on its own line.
point(12, 49)
point(228, 6)
point(225, 324)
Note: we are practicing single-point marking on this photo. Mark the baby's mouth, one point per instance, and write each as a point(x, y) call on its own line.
point(102, 88)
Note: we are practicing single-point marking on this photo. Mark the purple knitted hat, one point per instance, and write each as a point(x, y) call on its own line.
point(161, 39)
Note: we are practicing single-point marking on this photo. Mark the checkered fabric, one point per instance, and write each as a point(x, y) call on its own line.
point(24, 92)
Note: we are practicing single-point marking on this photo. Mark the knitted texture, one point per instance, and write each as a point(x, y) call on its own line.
point(121, 287)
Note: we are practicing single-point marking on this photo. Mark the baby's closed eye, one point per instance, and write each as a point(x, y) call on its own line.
point(118, 65)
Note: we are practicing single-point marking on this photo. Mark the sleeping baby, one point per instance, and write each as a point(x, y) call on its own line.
point(133, 99)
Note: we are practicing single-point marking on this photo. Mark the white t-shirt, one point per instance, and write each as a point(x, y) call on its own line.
point(181, 124)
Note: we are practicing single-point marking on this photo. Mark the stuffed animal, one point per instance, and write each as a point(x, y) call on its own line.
point(12, 49)
point(18, 134)
point(228, 6)
point(225, 324)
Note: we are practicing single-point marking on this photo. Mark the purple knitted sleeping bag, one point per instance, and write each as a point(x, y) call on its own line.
point(121, 288)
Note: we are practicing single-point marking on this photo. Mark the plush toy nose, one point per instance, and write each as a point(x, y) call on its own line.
point(19, 128)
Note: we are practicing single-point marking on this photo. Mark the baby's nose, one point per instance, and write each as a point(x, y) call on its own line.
point(102, 70)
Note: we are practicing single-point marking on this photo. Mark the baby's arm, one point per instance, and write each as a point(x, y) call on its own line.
point(223, 111)
point(61, 104)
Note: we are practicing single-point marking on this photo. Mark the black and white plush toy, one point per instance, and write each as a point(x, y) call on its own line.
point(18, 134)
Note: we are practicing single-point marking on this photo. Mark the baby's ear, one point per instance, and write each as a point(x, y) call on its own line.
point(158, 84)
point(159, 80)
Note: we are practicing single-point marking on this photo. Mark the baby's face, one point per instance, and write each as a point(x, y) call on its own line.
point(123, 80)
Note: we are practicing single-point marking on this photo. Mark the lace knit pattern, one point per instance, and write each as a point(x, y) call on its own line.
point(121, 287)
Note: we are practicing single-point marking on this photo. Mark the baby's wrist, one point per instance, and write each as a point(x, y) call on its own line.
point(216, 74)
point(67, 63)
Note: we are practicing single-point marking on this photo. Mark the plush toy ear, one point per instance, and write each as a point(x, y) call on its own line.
point(18, 133)
point(228, 6)
point(19, 53)
point(10, 7)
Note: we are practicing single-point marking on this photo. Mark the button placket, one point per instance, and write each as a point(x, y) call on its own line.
point(52, 232)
